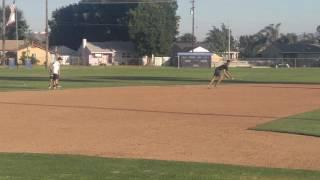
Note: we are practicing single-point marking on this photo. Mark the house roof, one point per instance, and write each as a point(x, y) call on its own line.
point(64, 50)
point(187, 46)
point(195, 54)
point(110, 46)
point(200, 50)
point(34, 45)
point(11, 45)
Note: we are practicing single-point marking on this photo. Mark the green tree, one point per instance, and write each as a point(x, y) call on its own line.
point(218, 39)
point(108, 1)
point(290, 38)
point(247, 44)
point(95, 22)
point(11, 29)
point(253, 45)
point(318, 34)
point(309, 38)
point(271, 33)
point(153, 27)
point(187, 37)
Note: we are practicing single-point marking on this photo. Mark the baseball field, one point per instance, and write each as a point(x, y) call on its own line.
point(159, 123)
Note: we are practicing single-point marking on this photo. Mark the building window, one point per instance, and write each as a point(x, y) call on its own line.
point(98, 55)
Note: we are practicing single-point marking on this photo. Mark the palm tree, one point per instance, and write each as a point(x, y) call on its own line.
point(309, 38)
point(271, 33)
point(318, 34)
point(289, 38)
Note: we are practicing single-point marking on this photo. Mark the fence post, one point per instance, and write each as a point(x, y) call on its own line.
point(295, 62)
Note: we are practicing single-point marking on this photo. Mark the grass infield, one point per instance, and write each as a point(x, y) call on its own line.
point(45, 167)
point(303, 124)
point(84, 77)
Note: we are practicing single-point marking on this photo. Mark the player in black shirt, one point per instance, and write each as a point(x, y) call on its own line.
point(219, 74)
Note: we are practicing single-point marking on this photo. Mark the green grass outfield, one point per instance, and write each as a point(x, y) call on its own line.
point(303, 124)
point(50, 167)
point(83, 77)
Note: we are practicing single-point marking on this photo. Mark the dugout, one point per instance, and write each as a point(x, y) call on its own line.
point(194, 60)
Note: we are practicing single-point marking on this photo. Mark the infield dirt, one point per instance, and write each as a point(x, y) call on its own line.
point(184, 123)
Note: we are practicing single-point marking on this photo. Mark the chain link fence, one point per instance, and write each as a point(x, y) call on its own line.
point(283, 62)
point(244, 62)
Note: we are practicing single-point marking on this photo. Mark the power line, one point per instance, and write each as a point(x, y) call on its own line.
point(47, 35)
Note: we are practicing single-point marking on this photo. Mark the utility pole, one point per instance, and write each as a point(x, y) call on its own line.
point(3, 32)
point(229, 43)
point(47, 36)
point(17, 36)
point(192, 12)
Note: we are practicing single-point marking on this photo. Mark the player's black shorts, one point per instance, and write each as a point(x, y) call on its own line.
point(55, 76)
point(51, 76)
point(217, 73)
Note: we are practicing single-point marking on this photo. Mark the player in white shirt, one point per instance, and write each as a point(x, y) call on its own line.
point(56, 72)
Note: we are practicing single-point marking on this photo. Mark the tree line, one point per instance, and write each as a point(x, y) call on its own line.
point(251, 45)
point(153, 27)
point(254, 45)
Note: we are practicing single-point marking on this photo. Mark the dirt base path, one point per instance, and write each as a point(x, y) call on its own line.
point(185, 123)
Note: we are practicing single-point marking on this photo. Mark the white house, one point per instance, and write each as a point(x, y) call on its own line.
point(108, 53)
point(215, 59)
